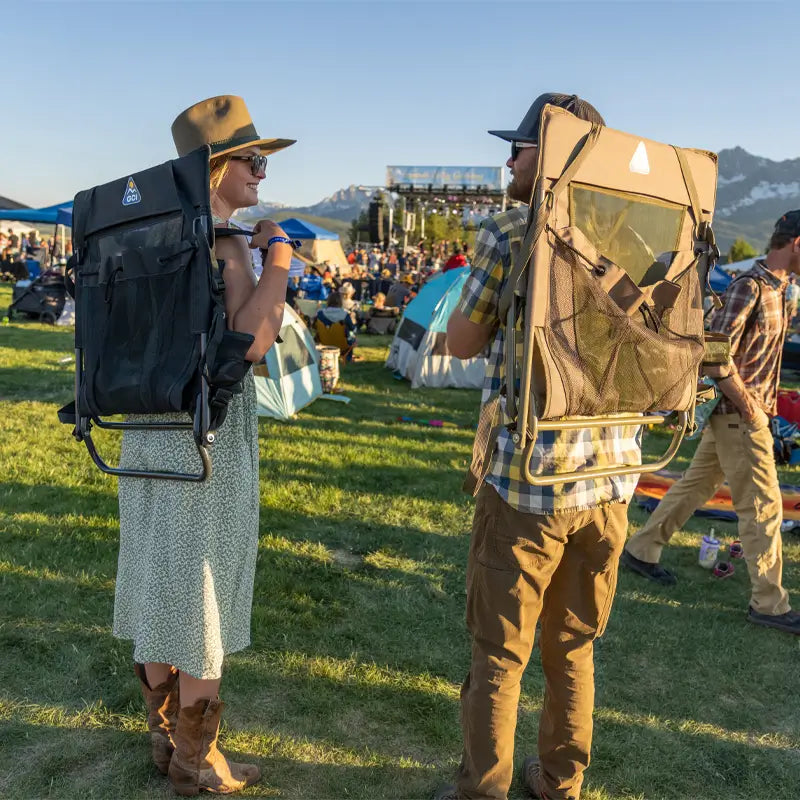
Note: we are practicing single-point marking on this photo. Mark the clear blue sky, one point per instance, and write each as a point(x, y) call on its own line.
point(90, 89)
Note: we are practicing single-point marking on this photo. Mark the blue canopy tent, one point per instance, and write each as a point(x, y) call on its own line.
point(47, 215)
point(64, 216)
point(300, 229)
point(317, 245)
point(719, 279)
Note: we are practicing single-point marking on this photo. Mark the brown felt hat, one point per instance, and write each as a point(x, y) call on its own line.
point(222, 122)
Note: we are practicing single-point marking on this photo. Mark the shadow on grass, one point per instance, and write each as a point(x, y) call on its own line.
point(38, 384)
point(108, 762)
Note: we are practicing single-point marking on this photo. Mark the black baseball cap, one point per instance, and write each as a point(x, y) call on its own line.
point(789, 223)
point(528, 129)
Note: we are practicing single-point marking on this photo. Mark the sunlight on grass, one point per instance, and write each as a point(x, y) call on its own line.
point(95, 715)
point(83, 579)
point(771, 740)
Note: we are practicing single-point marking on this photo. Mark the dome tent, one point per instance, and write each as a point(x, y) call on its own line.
point(287, 379)
point(419, 349)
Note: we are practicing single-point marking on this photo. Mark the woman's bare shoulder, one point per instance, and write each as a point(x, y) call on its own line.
point(233, 248)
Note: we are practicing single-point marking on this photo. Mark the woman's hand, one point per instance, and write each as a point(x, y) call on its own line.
point(264, 231)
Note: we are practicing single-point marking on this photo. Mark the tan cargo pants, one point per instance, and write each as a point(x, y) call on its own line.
point(562, 571)
point(730, 450)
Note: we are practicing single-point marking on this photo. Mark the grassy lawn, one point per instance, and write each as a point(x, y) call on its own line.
point(350, 687)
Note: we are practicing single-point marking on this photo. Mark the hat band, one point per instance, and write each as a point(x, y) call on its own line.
point(236, 141)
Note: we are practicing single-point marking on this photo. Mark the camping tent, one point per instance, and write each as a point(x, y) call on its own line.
point(741, 266)
point(316, 244)
point(419, 349)
point(288, 377)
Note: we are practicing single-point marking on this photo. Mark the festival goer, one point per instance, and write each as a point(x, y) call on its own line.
point(333, 313)
point(392, 262)
point(374, 259)
point(537, 554)
point(347, 292)
point(399, 291)
point(737, 443)
point(187, 551)
point(456, 261)
point(379, 302)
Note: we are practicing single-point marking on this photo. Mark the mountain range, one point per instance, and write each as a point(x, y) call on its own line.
point(752, 192)
point(334, 213)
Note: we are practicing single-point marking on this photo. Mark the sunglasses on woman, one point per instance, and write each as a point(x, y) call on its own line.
point(517, 146)
point(258, 163)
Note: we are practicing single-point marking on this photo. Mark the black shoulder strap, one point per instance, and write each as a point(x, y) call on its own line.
point(222, 232)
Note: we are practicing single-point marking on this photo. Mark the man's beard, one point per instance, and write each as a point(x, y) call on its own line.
point(519, 191)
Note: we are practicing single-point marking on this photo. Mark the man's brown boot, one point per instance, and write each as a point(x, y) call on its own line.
point(196, 763)
point(534, 782)
point(162, 715)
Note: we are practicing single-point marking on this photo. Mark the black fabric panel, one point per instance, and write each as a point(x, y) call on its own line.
point(411, 332)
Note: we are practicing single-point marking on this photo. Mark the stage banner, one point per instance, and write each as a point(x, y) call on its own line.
point(490, 178)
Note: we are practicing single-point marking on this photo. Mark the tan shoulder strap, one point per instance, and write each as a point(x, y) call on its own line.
point(691, 188)
point(535, 230)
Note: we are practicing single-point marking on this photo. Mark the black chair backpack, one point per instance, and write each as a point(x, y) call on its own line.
point(150, 330)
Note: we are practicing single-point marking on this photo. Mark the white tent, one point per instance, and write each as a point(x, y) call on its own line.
point(740, 266)
point(419, 349)
point(288, 377)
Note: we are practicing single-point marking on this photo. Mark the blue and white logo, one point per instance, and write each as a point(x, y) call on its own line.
point(132, 195)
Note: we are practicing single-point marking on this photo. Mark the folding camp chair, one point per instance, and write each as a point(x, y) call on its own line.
point(604, 295)
point(382, 321)
point(333, 335)
point(150, 331)
point(307, 309)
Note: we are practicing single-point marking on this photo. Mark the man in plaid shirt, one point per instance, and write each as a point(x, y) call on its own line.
point(546, 554)
point(737, 443)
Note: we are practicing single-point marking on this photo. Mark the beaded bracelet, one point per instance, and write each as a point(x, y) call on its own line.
point(294, 243)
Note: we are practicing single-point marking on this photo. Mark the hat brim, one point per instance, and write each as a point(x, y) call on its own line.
point(514, 136)
point(266, 146)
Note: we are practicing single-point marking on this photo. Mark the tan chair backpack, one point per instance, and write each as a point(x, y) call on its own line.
point(603, 308)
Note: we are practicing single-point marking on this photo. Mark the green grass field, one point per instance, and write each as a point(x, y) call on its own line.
point(350, 686)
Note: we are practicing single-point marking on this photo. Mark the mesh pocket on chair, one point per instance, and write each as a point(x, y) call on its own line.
point(610, 361)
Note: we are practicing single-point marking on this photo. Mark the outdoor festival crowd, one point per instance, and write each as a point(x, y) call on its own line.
point(539, 555)
point(18, 248)
point(371, 293)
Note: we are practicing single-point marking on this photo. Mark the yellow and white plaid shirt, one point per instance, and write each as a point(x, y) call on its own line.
point(555, 451)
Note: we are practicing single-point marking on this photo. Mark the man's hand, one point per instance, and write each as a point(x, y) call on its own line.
point(757, 420)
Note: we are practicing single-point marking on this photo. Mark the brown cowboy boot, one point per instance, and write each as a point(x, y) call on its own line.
point(162, 715)
point(196, 763)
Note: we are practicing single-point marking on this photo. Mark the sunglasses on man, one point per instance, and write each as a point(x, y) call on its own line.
point(258, 163)
point(517, 146)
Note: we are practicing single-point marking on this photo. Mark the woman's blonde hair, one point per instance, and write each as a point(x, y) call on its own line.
point(219, 168)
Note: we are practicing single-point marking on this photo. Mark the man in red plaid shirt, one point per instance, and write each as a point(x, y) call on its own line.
point(737, 443)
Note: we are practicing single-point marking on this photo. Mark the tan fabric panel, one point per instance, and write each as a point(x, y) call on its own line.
point(317, 251)
point(608, 165)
